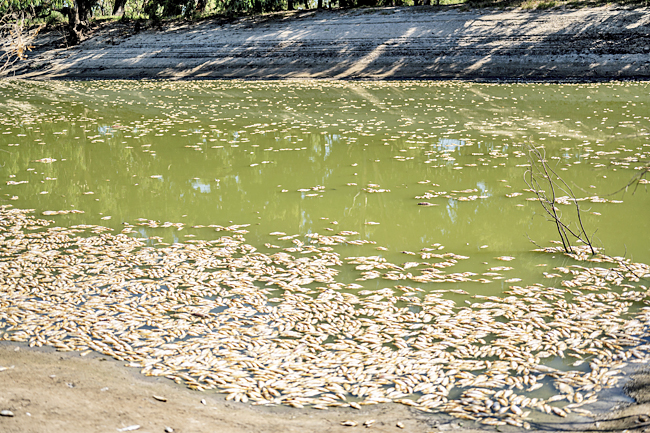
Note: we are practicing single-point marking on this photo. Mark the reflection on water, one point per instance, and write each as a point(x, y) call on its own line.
point(389, 221)
point(294, 157)
point(449, 144)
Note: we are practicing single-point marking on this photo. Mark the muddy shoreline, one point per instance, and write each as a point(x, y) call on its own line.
point(601, 43)
point(50, 391)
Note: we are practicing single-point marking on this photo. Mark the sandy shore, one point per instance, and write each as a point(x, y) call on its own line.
point(49, 391)
point(393, 43)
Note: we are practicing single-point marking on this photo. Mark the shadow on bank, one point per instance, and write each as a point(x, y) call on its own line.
point(385, 43)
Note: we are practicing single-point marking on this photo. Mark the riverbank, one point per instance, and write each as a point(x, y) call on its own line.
point(49, 391)
point(601, 43)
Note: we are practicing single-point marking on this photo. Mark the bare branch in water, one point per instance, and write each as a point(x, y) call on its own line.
point(539, 169)
point(636, 180)
point(533, 242)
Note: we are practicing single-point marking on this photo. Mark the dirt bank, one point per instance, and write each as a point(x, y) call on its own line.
point(48, 391)
point(393, 43)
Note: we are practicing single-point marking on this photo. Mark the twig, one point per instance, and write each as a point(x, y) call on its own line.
point(539, 168)
point(635, 179)
point(533, 242)
point(15, 41)
point(622, 263)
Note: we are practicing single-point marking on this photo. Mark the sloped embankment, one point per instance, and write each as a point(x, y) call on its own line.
point(391, 43)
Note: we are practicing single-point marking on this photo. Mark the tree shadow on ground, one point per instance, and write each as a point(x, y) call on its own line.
point(389, 43)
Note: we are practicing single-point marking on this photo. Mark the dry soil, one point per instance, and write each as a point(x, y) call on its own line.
point(49, 391)
point(392, 43)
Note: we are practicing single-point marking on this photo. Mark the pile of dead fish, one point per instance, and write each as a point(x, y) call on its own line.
point(279, 329)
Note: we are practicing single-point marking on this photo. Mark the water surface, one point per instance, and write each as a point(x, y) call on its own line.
point(426, 176)
point(312, 157)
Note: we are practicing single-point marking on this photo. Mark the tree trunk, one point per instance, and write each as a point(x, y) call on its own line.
point(320, 4)
point(200, 5)
point(119, 8)
point(290, 5)
point(77, 20)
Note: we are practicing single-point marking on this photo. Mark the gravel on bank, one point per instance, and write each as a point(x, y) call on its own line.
point(601, 43)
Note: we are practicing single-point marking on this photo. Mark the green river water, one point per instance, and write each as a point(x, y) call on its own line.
point(202, 153)
point(400, 168)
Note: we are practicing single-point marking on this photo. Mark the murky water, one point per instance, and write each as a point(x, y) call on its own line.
point(403, 171)
point(317, 156)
